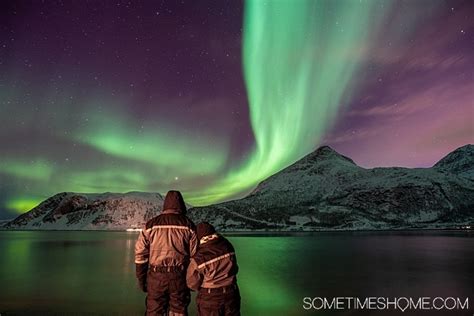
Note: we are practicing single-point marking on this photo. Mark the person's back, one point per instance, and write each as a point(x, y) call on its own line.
point(162, 254)
point(213, 272)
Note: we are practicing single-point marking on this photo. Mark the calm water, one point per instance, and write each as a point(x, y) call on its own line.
point(55, 273)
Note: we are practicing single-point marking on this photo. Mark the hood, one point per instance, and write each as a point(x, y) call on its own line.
point(204, 229)
point(174, 201)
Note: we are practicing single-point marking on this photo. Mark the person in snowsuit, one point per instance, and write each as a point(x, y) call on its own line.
point(162, 254)
point(213, 273)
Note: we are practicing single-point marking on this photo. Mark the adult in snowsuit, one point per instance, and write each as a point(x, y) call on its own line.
point(162, 254)
point(213, 273)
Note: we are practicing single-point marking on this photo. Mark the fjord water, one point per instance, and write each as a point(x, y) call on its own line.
point(56, 273)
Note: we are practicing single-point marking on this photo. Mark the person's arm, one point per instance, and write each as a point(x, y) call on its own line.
point(193, 243)
point(193, 277)
point(142, 252)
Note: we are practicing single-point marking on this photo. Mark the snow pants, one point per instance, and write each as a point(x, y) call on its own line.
point(219, 302)
point(168, 293)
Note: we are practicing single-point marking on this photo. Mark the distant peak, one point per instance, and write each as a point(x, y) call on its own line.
point(326, 152)
point(466, 148)
point(460, 160)
point(325, 149)
point(458, 153)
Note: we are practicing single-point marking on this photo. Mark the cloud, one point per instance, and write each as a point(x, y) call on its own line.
point(441, 94)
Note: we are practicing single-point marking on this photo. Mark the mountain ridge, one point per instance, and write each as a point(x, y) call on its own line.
point(459, 161)
point(323, 190)
point(326, 190)
point(91, 211)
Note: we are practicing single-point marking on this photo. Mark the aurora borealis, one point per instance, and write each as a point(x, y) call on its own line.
point(211, 98)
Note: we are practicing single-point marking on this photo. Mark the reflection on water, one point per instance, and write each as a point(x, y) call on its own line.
point(93, 272)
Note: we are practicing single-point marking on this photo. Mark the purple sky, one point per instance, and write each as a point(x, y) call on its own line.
point(416, 99)
point(64, 62)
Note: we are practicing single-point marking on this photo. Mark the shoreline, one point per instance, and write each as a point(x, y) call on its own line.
point(268, 232)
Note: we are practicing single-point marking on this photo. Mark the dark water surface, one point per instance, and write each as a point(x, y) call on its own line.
point(55, 273)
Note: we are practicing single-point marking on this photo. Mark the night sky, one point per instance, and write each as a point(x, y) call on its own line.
point(211, 97)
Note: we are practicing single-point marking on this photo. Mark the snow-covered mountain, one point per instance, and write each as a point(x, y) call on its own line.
point(85, 211)
point(323, 190)
point(460, 162)
point(326, 190)
point(4, 222)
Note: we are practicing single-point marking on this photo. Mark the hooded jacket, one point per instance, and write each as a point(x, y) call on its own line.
point(168, 239)
point(214, 265)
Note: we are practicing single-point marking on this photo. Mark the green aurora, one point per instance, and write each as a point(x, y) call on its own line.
point(300, 64)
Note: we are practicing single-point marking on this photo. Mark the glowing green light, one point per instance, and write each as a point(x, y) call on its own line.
point(264, 290)
point(38, 169)
point(300, 60)
point(299, 63)
point(21, 205)
point(166, 148)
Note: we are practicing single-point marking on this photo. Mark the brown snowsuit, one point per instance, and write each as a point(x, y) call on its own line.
point(162, 254)
point(213, 272)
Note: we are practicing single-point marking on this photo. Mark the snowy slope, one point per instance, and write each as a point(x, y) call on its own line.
point(323, 190)
point(326, 190)
point(80, 211)
point(460, 162)
point(4, 222)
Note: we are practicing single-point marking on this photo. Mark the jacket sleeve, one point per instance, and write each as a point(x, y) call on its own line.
point(142, 251)
point(142, 248)
point(193, 277)
point(193, 243)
